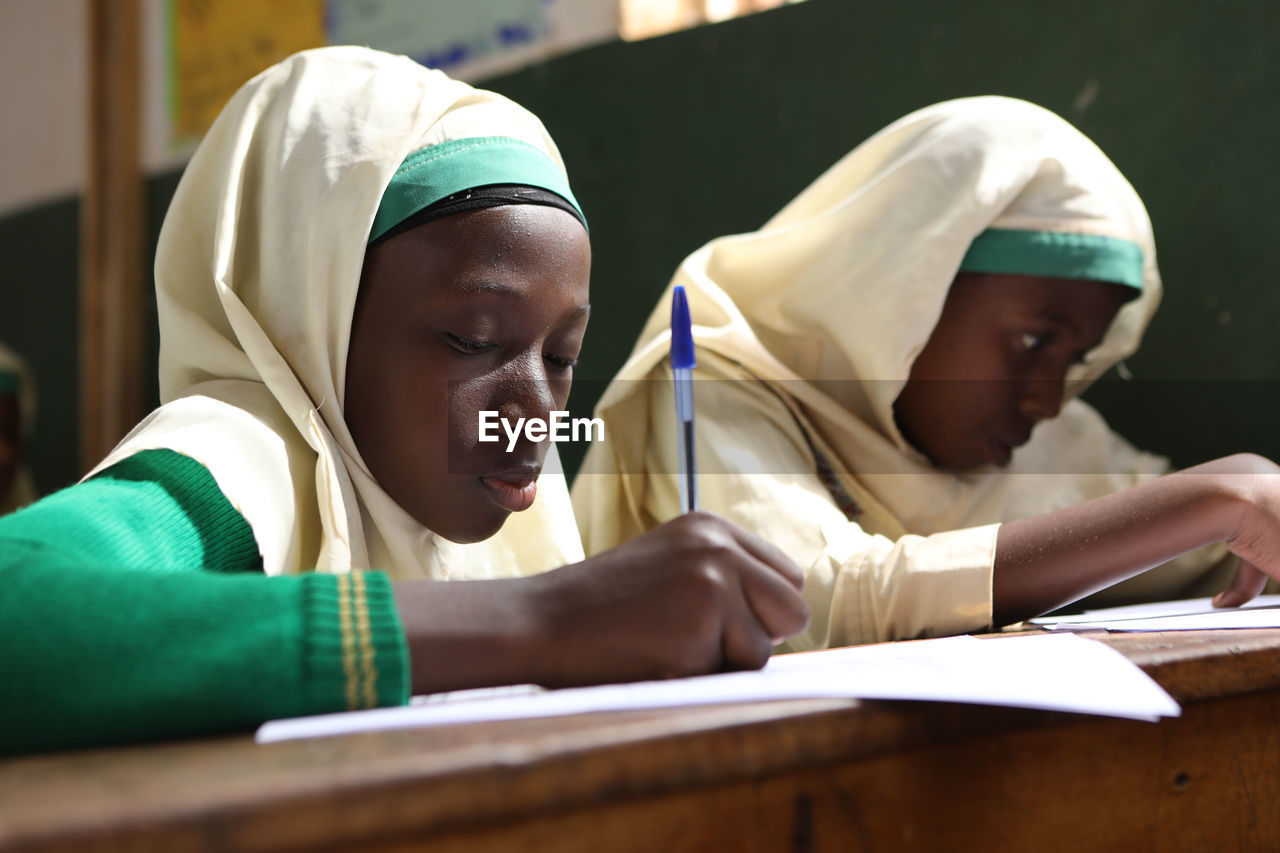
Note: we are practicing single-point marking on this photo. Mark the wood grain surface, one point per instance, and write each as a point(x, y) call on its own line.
point(797, 775)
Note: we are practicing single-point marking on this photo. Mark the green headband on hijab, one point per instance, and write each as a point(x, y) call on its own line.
point(434, 173)
point(9, 382)
point(1056, 255)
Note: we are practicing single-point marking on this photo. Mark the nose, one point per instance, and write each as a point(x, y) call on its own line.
point(526, 391)
point(1041, 398)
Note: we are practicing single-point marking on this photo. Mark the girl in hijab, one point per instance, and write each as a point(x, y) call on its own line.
point(891, 368)
point(362, 255)
point(17, 415)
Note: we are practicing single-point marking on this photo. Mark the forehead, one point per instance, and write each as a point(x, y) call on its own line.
point(1087, 306)
point(513, 251)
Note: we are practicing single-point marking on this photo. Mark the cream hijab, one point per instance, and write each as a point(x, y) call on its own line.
point(830, 302)
point(256, 275)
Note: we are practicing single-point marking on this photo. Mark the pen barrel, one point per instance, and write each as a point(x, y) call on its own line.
point(684, 394)
point(685, 451)
point(688, 475)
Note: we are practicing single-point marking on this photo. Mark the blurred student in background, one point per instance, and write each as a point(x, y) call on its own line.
point(17, 417)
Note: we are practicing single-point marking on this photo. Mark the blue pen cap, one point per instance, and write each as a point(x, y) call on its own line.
point(681, 331)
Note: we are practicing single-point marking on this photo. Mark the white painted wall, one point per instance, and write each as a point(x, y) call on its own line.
point(42, 101)
point(43, 89)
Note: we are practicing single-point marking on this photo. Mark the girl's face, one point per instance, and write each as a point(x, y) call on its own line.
point(477, 311)
point(997, 361)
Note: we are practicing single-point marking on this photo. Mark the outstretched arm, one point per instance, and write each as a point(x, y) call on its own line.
point(1050, 560)
point(134, 608)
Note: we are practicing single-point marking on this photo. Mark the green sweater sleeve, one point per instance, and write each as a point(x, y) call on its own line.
point(133, 607)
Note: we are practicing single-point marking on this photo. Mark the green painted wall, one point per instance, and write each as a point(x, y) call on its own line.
point(676, 140)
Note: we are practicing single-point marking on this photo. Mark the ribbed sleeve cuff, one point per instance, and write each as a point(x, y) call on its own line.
point(945, 581)
point(917, 586)
point(355, 653)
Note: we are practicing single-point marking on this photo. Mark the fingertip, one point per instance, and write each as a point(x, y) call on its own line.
point(1230, 598)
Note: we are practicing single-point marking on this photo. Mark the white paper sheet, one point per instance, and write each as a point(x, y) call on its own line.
point(1187, 615)
point(1059, 672)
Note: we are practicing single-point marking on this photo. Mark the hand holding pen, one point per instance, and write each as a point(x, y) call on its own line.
point(711, 596)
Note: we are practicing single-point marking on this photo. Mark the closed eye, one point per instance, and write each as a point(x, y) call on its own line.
point(559, 362)
point(468, 345)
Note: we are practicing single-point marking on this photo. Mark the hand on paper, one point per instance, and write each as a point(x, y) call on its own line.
point(1053, 559)
point(695, 595)
point(1256, 536)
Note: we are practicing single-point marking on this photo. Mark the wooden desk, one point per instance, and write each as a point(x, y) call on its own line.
point(799, 776)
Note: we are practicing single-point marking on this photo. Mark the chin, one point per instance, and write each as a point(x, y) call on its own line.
point(478, 528)
point(978, 465)
point(961, 463)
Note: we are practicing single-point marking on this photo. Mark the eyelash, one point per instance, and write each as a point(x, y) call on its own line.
point(560, 362)
point(473, 347)
point(467, 345)
point(1034, 342)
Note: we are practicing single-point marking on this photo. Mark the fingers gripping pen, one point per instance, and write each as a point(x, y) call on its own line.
point(682, 365)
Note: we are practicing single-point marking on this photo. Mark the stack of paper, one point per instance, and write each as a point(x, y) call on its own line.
point(1059, 672)
point(1188, 615)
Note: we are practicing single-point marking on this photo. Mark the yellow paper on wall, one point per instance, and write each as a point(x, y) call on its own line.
point(216, 45)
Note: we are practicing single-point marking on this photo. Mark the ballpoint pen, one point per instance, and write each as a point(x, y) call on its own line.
point(682, 365)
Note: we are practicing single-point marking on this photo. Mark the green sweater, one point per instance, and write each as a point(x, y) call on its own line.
point(133, 607)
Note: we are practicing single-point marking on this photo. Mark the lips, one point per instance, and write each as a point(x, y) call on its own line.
point(513, 490)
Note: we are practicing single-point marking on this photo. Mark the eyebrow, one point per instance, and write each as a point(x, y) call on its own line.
point(1052, 316)
point(478, 286)
point(483, 285)
point(1087, 346)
